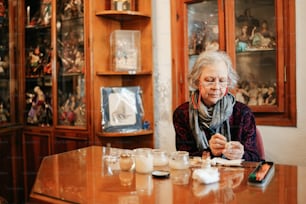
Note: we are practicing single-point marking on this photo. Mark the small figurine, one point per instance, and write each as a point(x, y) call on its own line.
point(264, 38)
point(244, 39)
point(192, 43)
point(253, 94)
point(45, 118)
point(80, 113)
point(67, 114)
point(2, 13)
point(71, 56)
point(249, 20)
point(35, 61)
point(270, 96)
point(126, 5)
point(73, 8)
point(38, 106)
point(241, 95)
point(4, 114)
point(4, 64)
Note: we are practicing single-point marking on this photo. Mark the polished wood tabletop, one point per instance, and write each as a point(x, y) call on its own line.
point(80, 176)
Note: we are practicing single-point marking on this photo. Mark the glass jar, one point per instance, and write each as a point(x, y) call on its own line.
point(126, 162)
point(179, 160)
point(143, 160)
point(160, 158)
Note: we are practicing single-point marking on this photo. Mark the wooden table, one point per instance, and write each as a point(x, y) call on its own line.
point(79, 177)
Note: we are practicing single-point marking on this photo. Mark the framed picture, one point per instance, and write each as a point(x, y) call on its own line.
point(121, 108)
point(122, 5)
point(125, 50)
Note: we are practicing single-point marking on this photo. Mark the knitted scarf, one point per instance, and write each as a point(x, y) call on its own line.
point(216, 117)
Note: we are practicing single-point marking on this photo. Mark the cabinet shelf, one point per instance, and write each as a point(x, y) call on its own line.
point(72, 19)
point(125, 134)
point(72, 74)
point(122, 15)
point(38, 27)
point(255, 51)
point(115, 73)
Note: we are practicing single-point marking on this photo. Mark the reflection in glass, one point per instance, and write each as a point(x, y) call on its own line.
point(38, 83)
point(180, 177)
point(256, 52)
point(144, 183)
point(71, 64)
point(203, 30)
point(4, 64)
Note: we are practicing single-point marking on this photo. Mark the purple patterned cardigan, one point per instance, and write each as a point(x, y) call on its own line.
point(243, 129)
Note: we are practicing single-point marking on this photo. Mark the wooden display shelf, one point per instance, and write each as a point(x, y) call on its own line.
point(125, 134)
point(122, 15)
point(113, 73)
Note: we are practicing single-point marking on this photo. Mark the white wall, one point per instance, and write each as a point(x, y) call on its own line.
point(164, 133)
point(286, 145)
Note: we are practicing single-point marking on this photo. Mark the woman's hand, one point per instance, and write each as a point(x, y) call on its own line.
point(233, 150)
point(217, 144)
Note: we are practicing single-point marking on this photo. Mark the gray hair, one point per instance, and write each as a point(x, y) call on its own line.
point(207, 58)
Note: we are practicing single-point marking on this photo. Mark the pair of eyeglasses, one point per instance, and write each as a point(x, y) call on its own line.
point(222, 84)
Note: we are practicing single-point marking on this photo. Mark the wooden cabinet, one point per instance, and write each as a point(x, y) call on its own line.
point(105, 20)
point(8, 71)
point(11, 180)
point(36, 145)
point(55, 63)
point(11, 176)
point(55, 80)
point(260, 38)
point(65, 60)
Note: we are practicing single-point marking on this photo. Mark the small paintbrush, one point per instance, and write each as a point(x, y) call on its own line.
point(211, 131)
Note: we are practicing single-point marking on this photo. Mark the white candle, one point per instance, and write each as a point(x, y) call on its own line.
point(28, 15)
point(143, 160)
point(144, 164)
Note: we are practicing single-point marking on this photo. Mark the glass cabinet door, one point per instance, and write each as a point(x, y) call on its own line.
point(38, 80)
point(257, 55)
point(259, 36)
point(203, 28)
point(5, 76)
point(71, 91)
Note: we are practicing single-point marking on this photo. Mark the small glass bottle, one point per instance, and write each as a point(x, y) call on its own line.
point(126, 162)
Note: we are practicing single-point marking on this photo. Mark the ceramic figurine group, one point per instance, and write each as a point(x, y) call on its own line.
point(254, 35)
point(71, 54)
point(40, 112)
point(72, 111)
point(72, 8)
point(252, 93)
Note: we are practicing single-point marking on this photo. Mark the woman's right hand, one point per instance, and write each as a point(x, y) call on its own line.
point(217, 144)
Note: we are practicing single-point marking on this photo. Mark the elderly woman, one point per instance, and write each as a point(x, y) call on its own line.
point(213, 120)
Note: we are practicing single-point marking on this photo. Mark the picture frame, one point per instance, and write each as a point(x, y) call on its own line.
point(121, 109)
point(122, 5)
point(125, 50)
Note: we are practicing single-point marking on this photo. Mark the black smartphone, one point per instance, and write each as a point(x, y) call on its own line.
point(262, 174)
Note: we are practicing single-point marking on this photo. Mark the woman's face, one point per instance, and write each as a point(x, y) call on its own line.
point(213, 83)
